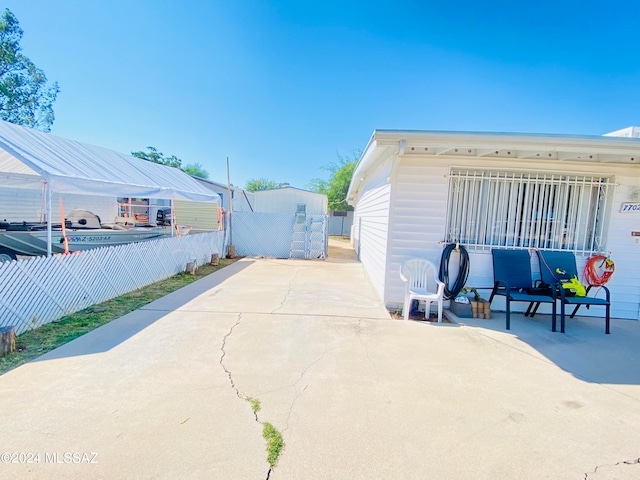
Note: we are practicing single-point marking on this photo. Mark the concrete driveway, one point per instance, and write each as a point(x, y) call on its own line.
point(160, 393)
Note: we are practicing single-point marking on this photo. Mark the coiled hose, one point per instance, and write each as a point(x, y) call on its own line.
point(463, 272)
point(598, 270)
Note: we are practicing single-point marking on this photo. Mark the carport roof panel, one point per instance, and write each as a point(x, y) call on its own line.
point(29, 156)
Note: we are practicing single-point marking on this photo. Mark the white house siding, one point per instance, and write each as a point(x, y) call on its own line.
point(416, 224)
point(625, 250)
point(17, 205)
point(418, 215)
point(370, 226)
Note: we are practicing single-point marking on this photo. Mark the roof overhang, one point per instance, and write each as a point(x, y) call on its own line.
point(523, 147)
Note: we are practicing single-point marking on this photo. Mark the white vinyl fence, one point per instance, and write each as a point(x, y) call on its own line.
point(279, 235)
point(340, 223)
point(40, 290)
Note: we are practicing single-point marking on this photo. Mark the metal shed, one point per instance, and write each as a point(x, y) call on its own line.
point(288, 199)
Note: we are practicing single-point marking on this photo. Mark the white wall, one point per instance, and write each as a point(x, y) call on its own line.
point(416, 225)
point(625, 251)
point(286, 199)
point(370, 225)
point(417, 200)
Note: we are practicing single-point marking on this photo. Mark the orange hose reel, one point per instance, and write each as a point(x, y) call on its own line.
point(598, 270)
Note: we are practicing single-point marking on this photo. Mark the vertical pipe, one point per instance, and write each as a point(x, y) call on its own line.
point(451, 217)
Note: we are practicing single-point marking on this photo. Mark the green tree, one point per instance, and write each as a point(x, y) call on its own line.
point(25, 97)
point(337, 186)
point(262, 183)
point(155, 156)
point(196, 170)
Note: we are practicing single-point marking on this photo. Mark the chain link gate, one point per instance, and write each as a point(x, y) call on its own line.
point(279, 235)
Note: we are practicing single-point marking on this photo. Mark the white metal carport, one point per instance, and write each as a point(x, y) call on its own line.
point(30, 158)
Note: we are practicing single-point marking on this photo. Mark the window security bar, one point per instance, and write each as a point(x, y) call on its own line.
point(490, 209)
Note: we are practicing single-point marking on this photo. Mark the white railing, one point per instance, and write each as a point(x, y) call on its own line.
point(40, 290)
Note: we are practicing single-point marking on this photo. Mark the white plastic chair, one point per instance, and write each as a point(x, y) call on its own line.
point(421, 282)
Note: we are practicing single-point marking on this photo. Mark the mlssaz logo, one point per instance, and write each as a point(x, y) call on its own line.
point(71, 457)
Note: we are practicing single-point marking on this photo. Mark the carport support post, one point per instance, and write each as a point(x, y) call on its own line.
point(48, 196)
point(173, 215)
point(231, 250)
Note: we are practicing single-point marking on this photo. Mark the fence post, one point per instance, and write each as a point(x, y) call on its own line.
point(7, 340)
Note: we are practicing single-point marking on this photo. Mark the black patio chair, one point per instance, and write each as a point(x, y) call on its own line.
point(559, 267)
point(512, 278)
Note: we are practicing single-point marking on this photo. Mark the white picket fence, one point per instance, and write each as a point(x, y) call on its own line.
point(40, 290)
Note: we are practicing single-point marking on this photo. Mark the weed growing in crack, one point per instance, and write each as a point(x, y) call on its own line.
point(255, 403)
point(274, 443)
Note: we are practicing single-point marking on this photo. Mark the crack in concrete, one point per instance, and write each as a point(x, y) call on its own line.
point(366, 350)
point(231, 381)
point(635, 461)
point(286, 295)
point(302, 374)
point(224, 354)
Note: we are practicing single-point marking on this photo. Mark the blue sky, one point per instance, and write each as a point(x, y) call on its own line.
point(283, 87)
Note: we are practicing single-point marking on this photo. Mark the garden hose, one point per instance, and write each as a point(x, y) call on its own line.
point(598, 270)
point(463, 273)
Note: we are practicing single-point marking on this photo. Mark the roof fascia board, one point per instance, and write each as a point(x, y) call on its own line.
point(622, 145)
point(374, 153)
point(527, 145)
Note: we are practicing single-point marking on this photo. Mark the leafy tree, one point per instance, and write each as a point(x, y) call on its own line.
point(337, 186)
point(262, 183)
point(25, 98)
point(196, 170)
point(153, 155)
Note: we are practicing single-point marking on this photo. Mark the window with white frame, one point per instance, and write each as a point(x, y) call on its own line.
point(526, 210)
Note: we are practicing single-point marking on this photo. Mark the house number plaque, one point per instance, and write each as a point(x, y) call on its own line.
point(627, 207)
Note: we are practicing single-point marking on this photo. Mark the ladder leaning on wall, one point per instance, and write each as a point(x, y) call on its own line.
point(308, 239)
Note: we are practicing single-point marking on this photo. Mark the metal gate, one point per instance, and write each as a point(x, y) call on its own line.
point(279, 235)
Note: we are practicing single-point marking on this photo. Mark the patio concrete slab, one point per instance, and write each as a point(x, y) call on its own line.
point(160, 393)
